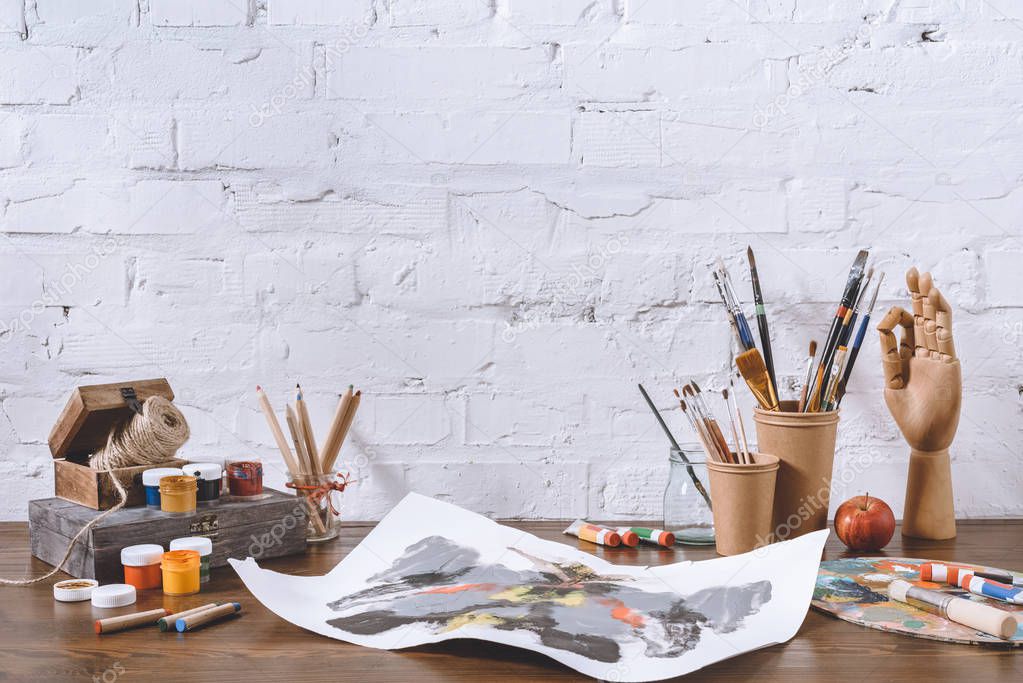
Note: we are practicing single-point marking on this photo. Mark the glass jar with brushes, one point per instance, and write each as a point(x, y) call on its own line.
point(687, 503)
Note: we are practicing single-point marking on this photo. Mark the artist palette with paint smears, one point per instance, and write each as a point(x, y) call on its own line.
point(856, 590)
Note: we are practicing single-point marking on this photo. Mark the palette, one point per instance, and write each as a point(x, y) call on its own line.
point(856, 590)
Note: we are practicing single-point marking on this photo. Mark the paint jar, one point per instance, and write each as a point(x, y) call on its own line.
point(151, 482)
point(201, 545)
point(245, 477)
point(209, 475)
point(142, 565)
point(687, 508)
point(177, 494)
point(180, 572)
point(322, 505)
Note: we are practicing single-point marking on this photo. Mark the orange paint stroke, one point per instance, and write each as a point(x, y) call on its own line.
point(623, 612)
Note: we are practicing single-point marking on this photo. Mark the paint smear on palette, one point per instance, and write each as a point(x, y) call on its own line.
point(856, 590)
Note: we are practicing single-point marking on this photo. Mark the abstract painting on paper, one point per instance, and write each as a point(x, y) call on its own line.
point(431, 571)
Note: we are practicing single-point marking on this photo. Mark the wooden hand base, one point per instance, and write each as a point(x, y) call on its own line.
point(929, 512)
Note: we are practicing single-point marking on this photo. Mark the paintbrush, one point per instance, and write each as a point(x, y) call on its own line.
point(735, 432)
point(809, 374)
point(751, 367)
point(738, 418)
point(711, 421)
point(852, 287)
point(854, 350)
point(728, 310)
point(765, 333)
point(733, 303)
point(828, 400)
point(667, 432)
point(696, 422)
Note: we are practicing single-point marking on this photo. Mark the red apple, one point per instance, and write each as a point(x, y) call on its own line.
point(864, 523)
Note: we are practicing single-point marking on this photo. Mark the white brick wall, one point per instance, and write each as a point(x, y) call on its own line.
point(497, 217)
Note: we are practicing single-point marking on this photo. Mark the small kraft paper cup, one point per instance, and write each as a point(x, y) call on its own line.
point(743, 498)
point(805, 445)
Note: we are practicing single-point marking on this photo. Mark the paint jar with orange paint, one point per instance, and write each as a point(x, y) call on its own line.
point(142, 565)
point(180, 572)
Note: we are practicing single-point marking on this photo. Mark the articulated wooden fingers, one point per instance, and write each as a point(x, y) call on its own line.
point(895, 356)
point(913, 284)
point(930, 326)
point(943, 325)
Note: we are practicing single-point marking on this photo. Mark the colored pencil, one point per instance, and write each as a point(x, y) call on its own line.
point(346, 424)
point(306, 430)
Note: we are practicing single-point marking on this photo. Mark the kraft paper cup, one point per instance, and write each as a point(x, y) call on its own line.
point(805, 445)
point(743, 498)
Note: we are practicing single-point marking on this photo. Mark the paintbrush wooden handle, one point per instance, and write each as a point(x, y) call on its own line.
point(719, 439)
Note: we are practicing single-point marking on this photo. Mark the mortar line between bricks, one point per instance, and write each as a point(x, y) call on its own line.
point(749, 230)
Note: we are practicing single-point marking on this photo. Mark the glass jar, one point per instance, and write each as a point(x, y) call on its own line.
point(687, 510)
point(322, 504)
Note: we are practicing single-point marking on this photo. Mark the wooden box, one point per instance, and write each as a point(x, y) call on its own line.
point(82, 429)
point(272, 526)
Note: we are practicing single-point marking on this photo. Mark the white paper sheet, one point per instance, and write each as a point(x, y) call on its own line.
point(431, 571)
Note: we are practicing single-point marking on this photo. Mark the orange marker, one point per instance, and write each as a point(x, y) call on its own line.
point(593, 533)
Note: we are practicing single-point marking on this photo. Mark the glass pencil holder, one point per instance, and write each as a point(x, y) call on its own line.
point(321, 497)
point(687, 502)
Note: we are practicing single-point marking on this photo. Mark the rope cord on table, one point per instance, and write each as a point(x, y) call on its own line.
point(122, 499)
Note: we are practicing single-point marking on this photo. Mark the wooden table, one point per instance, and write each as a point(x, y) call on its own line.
point(43, 640)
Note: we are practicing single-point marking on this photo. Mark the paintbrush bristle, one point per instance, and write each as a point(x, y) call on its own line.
point(683, 404)
point(721, 264)
point(749, 256)
point(750, 363)
point(678, 394)
point(697, 388)
point(813, 348)
point(724, 392)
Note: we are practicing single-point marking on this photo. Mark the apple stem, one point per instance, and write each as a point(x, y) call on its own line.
point(866, 501)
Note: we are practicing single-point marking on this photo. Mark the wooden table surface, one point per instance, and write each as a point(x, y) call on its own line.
point(44, 640)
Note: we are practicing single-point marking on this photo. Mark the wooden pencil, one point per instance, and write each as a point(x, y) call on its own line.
point(306, 430)
point(275, 429)
point(353, 407)
point(333, 443)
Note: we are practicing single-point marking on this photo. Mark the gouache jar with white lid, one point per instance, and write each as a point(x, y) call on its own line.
point(201, 545)
point(151, 482)
point(142, 565)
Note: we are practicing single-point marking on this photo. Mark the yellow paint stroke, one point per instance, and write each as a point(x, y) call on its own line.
point(472, 619)
point(529, 595)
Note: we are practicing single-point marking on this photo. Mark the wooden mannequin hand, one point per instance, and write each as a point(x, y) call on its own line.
point(923, 378)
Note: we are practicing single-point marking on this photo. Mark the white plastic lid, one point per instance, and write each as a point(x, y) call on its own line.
point(201, 544)
point(113, 595)
point(152, 477)
point(141, 555)
point(74, 590)
point(203, 470)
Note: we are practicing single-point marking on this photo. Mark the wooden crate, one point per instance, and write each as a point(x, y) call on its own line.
point(82, 429)
point(273, 526)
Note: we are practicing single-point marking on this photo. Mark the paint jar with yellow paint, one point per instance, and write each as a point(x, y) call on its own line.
point(178, 494)
point(180, 572)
